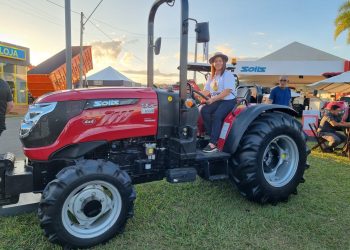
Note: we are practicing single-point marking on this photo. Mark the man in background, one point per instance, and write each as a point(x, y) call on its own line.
point(6, 103)
point(281, 94)
point(328, 128)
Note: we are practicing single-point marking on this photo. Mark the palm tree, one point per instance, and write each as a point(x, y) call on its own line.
point(342, 22)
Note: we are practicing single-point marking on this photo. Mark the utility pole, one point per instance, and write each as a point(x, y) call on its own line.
point(68, 45)
point(81, 49)
point(82, 26)
point(206, 51)
point(195, 60)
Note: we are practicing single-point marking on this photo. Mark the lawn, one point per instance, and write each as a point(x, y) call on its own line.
point(204, 215)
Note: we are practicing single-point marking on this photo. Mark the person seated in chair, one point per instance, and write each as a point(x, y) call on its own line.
point(221, 86)
point(328, 128)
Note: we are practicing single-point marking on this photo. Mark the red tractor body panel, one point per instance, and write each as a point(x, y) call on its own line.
point(227, 125)
point(97, 93)
point(103, 124)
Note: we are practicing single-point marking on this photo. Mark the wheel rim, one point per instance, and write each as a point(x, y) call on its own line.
point(91, 209)
point(280, 161)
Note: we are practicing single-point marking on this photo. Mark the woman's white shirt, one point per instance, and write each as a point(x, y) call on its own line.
point(224, 81)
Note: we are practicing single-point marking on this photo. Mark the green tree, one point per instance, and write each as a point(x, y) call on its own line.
point(342, 22)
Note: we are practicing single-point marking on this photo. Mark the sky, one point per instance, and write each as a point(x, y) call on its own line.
point(246, 29)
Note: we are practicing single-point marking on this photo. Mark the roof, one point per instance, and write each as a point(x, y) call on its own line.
point(335, 84)
point(300, 52)
point(54, 62)
point(108, 74)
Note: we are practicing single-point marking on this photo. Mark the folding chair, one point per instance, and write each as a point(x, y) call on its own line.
point(321, 142)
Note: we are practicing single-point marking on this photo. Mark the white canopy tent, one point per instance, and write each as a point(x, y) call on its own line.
point(303, 65)
point(110, 77)
point(336, 84)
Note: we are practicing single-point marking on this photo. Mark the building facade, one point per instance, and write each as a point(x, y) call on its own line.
point(14, 63)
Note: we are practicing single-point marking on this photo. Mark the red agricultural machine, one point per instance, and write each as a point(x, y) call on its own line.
point(87, 148)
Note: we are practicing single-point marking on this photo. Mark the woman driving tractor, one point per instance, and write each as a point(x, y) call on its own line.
point(221, 86)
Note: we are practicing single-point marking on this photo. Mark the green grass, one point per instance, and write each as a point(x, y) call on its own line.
point(204, 215)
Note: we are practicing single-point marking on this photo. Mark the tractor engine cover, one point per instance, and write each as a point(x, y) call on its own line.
point(64, 118)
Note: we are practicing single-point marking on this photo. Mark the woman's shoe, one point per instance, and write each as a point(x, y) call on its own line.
point(209, 149)
point(328, 150)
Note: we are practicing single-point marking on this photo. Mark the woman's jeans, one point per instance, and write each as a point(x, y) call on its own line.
point(213, 116)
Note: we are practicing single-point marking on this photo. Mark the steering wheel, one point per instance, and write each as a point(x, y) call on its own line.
point(200, 94)
point(193, 92)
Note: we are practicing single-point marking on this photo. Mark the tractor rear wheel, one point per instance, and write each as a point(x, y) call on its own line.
point(270, 161)
point(87, 204)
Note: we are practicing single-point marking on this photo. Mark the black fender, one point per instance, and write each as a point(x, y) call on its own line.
point(75, 151)
point(245, 118)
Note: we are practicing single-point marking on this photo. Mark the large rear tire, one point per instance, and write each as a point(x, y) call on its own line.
point(87, 204)
point(271, 159)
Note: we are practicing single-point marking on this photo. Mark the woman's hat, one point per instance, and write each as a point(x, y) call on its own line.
point(218, 54)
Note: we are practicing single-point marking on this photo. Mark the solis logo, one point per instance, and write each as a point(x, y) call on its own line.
point(253, 69)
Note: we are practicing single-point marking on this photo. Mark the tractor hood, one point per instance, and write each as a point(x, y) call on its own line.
point(96, 93)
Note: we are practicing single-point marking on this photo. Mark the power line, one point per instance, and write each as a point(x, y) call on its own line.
point(113, 27)
point(117, 28)
point(93, 12)
point(32, 14)
point(120, 29)
point(75, 12)
point(133, 33)
point(104, 33)
point(96, 26)
point(36, 10)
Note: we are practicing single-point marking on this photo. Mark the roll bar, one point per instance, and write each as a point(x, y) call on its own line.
point(183, 45)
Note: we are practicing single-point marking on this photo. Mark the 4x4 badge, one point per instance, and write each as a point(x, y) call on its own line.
point(89, 121)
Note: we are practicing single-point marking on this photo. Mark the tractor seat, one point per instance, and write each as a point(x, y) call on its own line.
point(243, 97)
point(243, 93)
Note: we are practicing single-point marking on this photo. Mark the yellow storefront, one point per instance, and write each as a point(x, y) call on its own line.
point(14, 62)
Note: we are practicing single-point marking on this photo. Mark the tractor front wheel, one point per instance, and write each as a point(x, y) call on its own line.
point(270, 161)
point(87, 204)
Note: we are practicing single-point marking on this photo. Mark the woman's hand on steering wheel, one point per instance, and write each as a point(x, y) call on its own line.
point(197, 95)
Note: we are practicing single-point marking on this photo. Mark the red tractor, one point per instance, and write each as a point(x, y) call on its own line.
point(86, 148)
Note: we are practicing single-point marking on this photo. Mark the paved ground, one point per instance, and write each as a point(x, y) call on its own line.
point(9, 142)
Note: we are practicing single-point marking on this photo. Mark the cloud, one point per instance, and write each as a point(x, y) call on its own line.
point(37, 57)
point(247, 58)
point(106, 50)
point(259, 33)
point(127, 58)
point(190, 56)
point(254, 43)
point(156, 73)
point(224, 48)
point(116, 54)
point(132, 41)
point(160, 78)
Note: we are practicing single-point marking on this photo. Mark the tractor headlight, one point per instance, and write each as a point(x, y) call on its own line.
point(35, 112)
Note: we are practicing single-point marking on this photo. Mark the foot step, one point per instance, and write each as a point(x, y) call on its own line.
point(218, 177)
